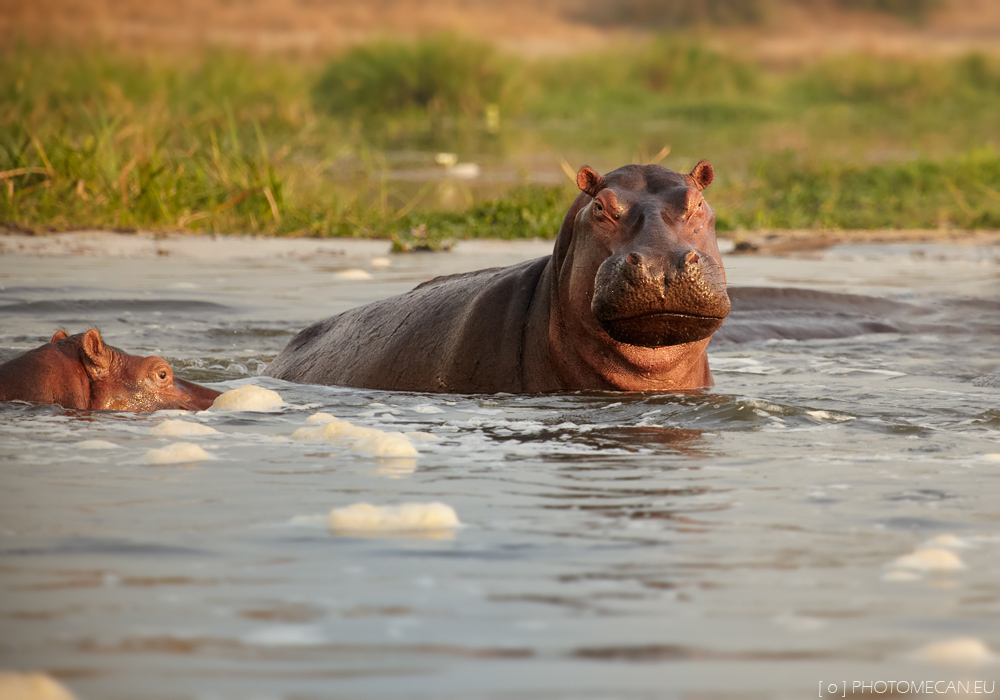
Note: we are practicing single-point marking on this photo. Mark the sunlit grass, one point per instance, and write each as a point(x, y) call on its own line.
point(225, 142)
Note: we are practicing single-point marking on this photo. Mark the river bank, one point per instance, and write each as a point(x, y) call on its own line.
point(782, 242)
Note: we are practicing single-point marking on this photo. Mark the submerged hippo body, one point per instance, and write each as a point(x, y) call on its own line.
point(81, 372)
point(628, 300)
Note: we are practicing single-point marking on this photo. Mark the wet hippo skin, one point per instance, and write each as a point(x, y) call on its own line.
point(628, 300)
point(82, 372)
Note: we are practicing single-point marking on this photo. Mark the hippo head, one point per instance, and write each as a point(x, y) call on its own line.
point(644, 255)
point(123, 382)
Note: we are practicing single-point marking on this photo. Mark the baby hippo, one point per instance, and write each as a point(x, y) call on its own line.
point(81, 372)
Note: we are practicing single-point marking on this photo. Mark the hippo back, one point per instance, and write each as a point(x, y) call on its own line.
point(461, 333)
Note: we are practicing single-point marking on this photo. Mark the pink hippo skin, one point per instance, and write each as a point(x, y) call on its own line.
point(81, 372)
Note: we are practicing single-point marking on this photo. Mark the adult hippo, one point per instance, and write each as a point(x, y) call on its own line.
point(81, 372)
point(628, 300)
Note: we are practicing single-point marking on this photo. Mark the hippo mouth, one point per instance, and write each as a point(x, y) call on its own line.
point(193, 397)
point(661, 328)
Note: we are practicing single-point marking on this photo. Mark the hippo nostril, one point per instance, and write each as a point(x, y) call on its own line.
point(634, 259)
point(692, 258)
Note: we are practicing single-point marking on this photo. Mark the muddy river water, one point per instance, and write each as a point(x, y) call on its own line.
point(824, 520)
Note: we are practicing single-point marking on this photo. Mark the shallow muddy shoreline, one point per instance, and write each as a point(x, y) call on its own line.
point(144, 244)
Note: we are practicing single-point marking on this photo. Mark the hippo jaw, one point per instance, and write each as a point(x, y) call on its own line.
point(660, 301)
point(660, 329)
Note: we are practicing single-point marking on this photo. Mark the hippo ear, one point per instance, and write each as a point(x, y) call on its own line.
point(589, 181)
point(702, 175)
point(96, 355)
point(60, 335)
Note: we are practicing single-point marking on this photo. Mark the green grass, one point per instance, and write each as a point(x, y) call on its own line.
point(957, 192)
point(225, 142)
point(433, 78)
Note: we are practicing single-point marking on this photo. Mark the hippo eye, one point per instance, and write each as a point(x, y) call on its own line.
point(162, 374)
point(600, 209)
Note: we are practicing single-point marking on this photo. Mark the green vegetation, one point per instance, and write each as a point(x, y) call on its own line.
point(684, 13)
point(912, 10)
point(959, 192)
point(232, 143)
point(433, 78)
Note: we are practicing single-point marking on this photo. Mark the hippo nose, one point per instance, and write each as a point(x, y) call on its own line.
point(684, 261)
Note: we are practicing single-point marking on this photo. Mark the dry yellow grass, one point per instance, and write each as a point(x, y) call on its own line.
point(531, 27)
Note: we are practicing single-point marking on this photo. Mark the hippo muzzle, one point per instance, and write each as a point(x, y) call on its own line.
point(658, 299)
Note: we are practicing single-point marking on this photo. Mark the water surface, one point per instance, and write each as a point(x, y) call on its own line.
point(741, 543)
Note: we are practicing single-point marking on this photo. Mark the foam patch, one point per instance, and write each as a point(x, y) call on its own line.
point(395, 467)
point(407, 517)
point(965, 652)
point(309, 432)
point(321, 418)
point(341, 429)
point(385, 445)
point(177, 453)
point(182, 428)
point(353, 273)
point(949, 542)
point(249, 397)
point(32, 686)
point(929, 560)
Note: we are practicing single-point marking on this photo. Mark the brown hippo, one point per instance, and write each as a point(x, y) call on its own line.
point(628, 300)
point(81, 372)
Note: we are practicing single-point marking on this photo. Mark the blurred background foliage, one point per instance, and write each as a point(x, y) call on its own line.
point(664, 14)
point(444, 136)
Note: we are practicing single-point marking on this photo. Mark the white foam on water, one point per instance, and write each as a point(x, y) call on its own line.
point(287, 636)
point(964, 652)
point(354, 273)
point(426, 409)
point(991, 457)
point(949, 541)
point(396, 467)
point(826, 415)
point(32, 686)
point(97, 445)
point(308, 432)
point(249, 397)
point(924, 560)
point(385, 445)
point(177, 453)
point(181, 428)
point(342, 429)
point(406, 517)
point(368, 441)
point(380, 263)
point(321, 418)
